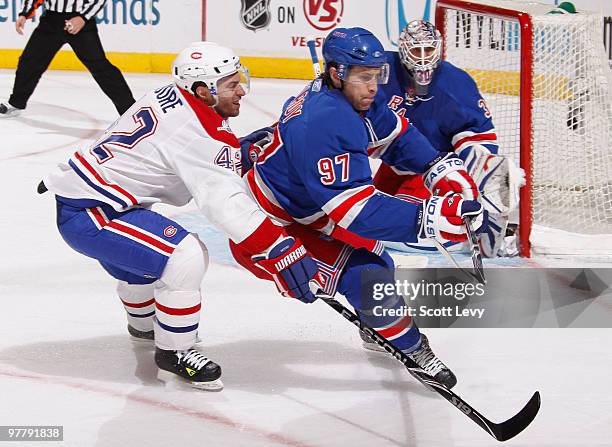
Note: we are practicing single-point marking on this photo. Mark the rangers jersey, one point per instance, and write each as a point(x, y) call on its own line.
point(452, 116)
point(167, 148)
point(316, 171)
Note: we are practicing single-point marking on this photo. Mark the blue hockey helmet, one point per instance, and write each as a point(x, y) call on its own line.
point(346, 47)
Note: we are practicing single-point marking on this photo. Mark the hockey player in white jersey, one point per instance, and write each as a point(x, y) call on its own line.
point(171, 146)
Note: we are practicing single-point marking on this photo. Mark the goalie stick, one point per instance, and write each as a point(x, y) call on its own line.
point(500, 431)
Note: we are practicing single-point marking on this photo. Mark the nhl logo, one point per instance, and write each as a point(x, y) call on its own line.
point(255, 14)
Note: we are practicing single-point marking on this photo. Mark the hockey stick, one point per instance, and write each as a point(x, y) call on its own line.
point(478, 272)
point(316, 67)
point(502, 431)
point(442, 249)
point(475, 252)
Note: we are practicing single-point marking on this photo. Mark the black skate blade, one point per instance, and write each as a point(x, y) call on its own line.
point(169, 377)
point(519, 422)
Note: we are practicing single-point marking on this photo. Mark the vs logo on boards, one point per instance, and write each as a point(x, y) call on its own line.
point(323, 15)
point(255, 14)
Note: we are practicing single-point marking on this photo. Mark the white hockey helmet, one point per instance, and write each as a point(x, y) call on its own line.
point(207, 62)
point(420, 50)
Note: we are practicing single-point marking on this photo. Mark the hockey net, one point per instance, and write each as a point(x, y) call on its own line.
point(548, 85)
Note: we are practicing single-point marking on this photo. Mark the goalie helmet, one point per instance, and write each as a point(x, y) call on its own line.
point(420, 50)
point(345, 47)
point(207, 62)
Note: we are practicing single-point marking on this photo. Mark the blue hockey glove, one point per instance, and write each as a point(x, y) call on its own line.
point(250, 146)
point(291, 267)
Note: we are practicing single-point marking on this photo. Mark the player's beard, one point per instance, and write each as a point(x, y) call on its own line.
point(228, 109)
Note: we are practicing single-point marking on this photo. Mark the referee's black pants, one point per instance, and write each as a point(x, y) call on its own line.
point(47, 39)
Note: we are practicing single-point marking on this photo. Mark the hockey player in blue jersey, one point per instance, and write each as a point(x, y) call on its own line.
point(444, 103)
point(314, 177)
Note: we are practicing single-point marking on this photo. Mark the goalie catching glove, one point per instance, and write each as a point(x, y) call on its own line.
point(443, 218)
point(291, 267)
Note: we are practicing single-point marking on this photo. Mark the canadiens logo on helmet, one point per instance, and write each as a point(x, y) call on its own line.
point(196, 55)
point(255, 14)
point(170, 231)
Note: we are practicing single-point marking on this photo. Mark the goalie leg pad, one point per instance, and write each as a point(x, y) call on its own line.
point(492, 238)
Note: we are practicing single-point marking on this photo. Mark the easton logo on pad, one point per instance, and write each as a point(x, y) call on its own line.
point(255, 14)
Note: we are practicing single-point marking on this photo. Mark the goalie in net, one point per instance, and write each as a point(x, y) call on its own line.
point(444, 103)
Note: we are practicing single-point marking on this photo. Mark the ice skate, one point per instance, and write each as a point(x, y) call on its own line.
point(432, 365)
point(140, 335)
point(369, 344)
point(8, 111)
point(423, 356)
point(189, 365)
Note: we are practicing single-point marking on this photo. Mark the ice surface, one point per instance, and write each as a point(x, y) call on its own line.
point(294, 374)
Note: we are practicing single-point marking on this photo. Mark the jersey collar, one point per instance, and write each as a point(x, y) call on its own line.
point(214, 125)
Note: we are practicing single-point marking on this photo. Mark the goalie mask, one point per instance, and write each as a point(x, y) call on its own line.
point(420, 50)
point(207, 63)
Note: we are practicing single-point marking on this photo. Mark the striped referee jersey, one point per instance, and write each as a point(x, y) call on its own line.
point(85, 8)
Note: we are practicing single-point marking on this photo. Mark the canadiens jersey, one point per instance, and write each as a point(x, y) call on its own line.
point(316, 171)
point(453, 115)
point(167, 148)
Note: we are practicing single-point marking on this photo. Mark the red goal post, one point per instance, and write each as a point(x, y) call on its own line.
point(525, 96)
point(547, 80)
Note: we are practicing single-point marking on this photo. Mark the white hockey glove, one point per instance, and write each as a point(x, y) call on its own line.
point(448, 175)
point(443, 218)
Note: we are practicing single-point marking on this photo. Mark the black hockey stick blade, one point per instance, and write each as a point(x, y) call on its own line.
point(475, 252)
point(519, 422)
point(502, 431)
